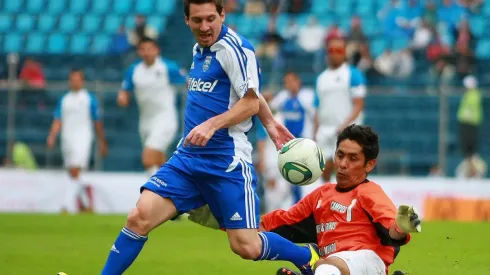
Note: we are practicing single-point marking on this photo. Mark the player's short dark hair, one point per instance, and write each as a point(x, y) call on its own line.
point(187, 3)
point(148, 40)
point(365, 136)
point(77, 70)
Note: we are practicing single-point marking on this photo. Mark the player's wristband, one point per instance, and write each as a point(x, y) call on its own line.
point(397, 229)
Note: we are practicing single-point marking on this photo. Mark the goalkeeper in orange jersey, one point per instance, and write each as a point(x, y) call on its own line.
point(355, 224)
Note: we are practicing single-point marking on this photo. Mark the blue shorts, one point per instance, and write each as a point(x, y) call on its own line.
point(226, 184)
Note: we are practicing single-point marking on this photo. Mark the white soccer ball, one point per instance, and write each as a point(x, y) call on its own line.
point(301, 161)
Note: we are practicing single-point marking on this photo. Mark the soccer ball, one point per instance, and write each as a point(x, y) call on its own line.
point(301, 161)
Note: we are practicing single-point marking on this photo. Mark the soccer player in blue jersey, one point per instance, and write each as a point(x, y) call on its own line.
point(212, 164)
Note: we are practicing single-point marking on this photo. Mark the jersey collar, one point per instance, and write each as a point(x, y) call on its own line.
point(344, 190)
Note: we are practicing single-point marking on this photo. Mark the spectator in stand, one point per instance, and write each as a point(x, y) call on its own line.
point(404, 64)
point(119, 43)
point(311, 36)
point(355, 39)
point(32, 74)
point(430, 13)
point(290, 35)
point(365, 63)
point(385, 63)
point(465, 44)
point(141, 30)
point(390, 16)
point(421, 38)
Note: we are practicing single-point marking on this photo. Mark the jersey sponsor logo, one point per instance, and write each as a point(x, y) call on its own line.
point(329, 226)
point(158, 182)
point(337, 207)
point(207, 63)
point(198, 85)
point(328, 249)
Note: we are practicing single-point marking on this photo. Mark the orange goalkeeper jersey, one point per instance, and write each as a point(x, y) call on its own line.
point(344, 220)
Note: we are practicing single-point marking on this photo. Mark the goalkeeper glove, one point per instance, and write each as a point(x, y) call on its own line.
point(407, 219)
point(204, 217)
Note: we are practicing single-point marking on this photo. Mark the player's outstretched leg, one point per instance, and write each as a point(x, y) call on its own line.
point(151, 211)
point(271, 246)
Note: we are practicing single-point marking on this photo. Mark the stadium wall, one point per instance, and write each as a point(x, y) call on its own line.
point(116, 193)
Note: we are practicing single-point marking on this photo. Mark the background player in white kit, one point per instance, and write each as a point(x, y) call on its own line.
point(77, 110)
point(150, 80)
point(340, 100)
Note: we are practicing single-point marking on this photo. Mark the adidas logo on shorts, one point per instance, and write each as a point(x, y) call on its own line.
point(236, 217)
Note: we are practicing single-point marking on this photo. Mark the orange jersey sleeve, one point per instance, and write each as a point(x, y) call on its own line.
point(297, 223)
point(382, 213)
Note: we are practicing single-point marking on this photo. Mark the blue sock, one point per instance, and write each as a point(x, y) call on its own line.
point(123, 252)
point(275, 247)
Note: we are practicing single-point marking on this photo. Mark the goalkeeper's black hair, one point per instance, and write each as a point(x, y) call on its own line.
point(365, 136)
point(218, 3)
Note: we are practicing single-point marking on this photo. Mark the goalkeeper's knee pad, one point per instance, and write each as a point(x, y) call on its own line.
point(326, 269)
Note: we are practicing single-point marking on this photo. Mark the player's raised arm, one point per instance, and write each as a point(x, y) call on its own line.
point(99, 125)
point(55, 126)
point(383, 214)
point(124, 95)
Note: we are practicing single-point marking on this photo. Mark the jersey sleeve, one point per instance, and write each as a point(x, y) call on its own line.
point(357, 83)
point(382, 213)
point(94, 108)
point(175, 74)
point(307, 99)
point(299, 212)
point(57, 110)
point(128, 84)
point(278, 101)
point(241, 67)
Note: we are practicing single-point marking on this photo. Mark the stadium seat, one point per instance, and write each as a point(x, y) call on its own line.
point(24, 23)
point(79, 43)
point(100, 43)
point(12, 6)
point(5, 23)
point(56, 43)
point(158, 22)
point(343, 8)
point(400, 43)
point(122, 7)
point(56, 6)
point(365, 7)
point(100, 6)
point(91, 23)
point(79, 6)
point(144, 6)
point(46, 23)
point(13, 42)
point(35, 6)
point(477, 25)
point(483, 49)
point(112, 23)
point(378, 46)
point(35, 43)
point(165, 7)
point(319, 8)
point(68, 23)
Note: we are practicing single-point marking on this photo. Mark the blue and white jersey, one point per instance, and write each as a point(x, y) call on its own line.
point(218, 78)
point(152, 87)
point(335, 90)
point(298, 112)
point(77, 112)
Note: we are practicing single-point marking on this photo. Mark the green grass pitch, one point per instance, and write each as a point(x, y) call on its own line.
point(78, 245)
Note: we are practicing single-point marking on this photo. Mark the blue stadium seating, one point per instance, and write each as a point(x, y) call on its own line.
point(101, 7)
point(56, 7)
point(123, 7)
point(165, 7)
point(112, 23)
point(68, 23)
point(144, 6)
point(100, 43)
point(79, 6)
point(5, 22)
point(35, 43)
point(91, 23)
point(24, 23)
point(56, 43)
point(46, 23)
point(79, 43)
point(12, 7)
point(13, 42)
point(35, 6)
point(483, 49)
